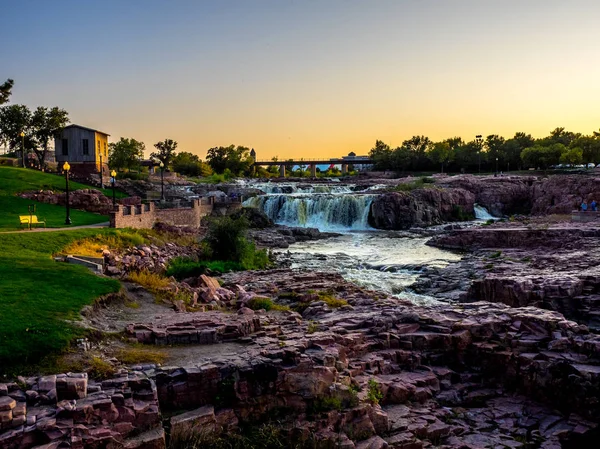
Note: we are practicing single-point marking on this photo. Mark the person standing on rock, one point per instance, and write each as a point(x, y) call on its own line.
point(584, 206)
point(593, 205)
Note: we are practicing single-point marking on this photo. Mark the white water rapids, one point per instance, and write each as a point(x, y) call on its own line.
point(379, 260)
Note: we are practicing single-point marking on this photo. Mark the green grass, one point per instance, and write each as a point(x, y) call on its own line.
point(38, 295)
point(14, 180)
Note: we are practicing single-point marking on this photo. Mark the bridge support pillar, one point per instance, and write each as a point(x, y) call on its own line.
point(282, 171)
point(313, 170)
point(344, 169)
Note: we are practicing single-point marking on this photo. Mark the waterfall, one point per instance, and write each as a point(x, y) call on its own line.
point(322, 211)
point(290, 188)
point(481, 213)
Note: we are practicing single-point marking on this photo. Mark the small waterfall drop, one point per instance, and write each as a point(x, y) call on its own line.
point(318, 210)
point(481, 213)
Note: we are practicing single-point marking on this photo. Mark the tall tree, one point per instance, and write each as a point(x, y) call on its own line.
point(236, 159)
point(418, 146)
point(125, 154)
point(190, 165)
point(14, 120)
point(6, 90)
point(494, 145)
point(166, 151)
point(440, 153)
point(381, 155)
point(46, 124)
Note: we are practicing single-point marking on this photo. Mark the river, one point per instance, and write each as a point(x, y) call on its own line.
point(379, 260)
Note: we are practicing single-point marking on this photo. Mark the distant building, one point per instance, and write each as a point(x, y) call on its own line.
point(85, 149)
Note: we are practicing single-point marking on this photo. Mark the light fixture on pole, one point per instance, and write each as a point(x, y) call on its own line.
point(23, 147)
point(101, 172)
point(66, 168)
point(162, 180)
point(496, 166)
point(113, 181)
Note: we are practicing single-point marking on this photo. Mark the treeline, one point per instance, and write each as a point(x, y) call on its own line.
point(491, 153)
point(22, 129)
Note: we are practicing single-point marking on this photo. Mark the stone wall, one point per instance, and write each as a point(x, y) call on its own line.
point(146, 215)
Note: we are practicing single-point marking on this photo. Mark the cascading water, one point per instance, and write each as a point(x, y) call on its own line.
point(481, 213)
point(318, 210)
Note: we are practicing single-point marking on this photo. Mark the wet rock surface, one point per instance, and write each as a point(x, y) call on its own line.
point(421, 207)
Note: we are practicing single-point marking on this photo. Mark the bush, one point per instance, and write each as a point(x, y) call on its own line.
point(226, 240)
point(181, 267)
point(258, 303)
point(374, 394)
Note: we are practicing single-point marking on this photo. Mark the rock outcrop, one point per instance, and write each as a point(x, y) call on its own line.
point(90, 200)
point(421, 207)
point(502, 195)
point(563, 194)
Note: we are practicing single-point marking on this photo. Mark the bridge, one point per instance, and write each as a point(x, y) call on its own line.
point(312, 163)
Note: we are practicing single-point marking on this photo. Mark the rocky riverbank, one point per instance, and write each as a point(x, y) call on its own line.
point(550, 266)
point(344, 367)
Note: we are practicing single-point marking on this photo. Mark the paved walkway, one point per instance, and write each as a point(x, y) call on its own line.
point(97, 225)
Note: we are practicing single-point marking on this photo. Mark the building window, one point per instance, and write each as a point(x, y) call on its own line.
point(86, 147)
point(65, 147)
point(105, 152)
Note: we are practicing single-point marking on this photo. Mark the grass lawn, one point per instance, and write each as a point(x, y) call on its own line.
point(39, 295)
point(14, 180)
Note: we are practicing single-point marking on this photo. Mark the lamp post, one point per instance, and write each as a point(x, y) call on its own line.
point(162, 181)
point(101, 173)
point(496, 166)
point(23, 147)
point(479, 141)
point(113, 181)
point(66, 168)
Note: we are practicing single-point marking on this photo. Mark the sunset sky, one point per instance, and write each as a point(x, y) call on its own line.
point(303, 78)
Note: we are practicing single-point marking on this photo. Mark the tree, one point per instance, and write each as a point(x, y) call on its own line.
point(559, 135)
point(190, 165)
point(46, 124)
point(6, 90)
point(572, 156)
point(417, 146)
point(125, 153)
point(590, 146)
point(439, 153)
point(381, 155)
point(166, 151)
point(467, 155)
point(14, 120)
point(494, 144)
point(236, 159)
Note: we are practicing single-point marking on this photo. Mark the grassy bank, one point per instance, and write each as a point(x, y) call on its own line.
point(38, 295)
point(14, 180)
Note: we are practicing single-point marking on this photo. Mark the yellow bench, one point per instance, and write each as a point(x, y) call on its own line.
point(24, 219)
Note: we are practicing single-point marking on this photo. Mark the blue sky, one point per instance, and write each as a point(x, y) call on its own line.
point(312, 78)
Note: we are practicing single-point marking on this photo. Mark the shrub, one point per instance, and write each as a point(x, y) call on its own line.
point(312, 327)
point(148, 280)
point(374, 394)
point(140, 354)
point(100, 369)
point(331, 300)
point(258, 303)
point(226, 240)
point(182, 268)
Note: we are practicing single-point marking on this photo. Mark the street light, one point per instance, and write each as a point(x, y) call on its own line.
point(113, 181)
point(66, 168)
point(496, 166)
point(23, 147)
point(479, 141)
point(162, 180)
point(101, 172)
